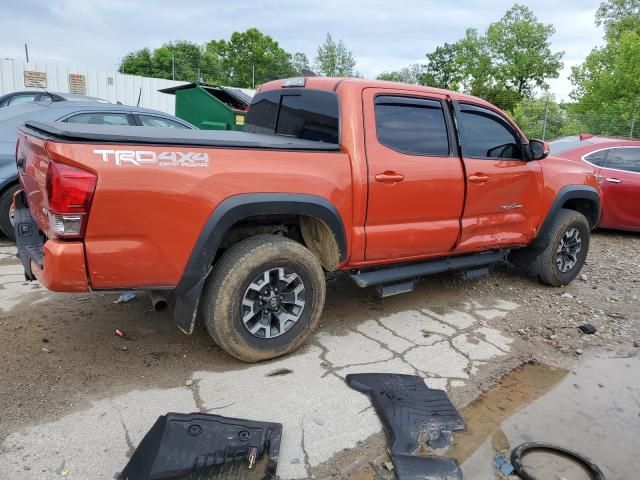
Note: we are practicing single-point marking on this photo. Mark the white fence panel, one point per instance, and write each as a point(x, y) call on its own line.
point(111, 86)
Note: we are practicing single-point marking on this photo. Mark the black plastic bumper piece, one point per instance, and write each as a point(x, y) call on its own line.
point(200, 446)
point(414, 416)
point(406, 272)
point(29, 238)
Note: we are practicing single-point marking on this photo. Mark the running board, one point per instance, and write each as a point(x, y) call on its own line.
point(406, 272)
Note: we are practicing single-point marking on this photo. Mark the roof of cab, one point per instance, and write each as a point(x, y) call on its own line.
point(336, 84)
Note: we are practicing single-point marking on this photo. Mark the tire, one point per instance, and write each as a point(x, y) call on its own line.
point(546, 266)
point(6, 199)
point(231, 296)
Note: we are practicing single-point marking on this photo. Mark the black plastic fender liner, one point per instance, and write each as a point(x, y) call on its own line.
point(229, 212)
point(521, 450)
point(200, 446)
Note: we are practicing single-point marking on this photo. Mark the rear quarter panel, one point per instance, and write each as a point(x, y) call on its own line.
point(145, 219)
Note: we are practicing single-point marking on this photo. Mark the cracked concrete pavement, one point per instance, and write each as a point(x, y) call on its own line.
point(320, 414)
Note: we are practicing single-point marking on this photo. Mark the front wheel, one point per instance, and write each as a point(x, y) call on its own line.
point(263, 298)
point(565, 254)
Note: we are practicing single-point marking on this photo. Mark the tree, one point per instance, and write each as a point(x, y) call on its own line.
point(250, 58)
point(300, 63)
point(160, 62)
point(619, 16)
point(520, 49)
point(443, 68)
point(531, 115)
point(607, 84)
point(413, 74)
point(334, 59)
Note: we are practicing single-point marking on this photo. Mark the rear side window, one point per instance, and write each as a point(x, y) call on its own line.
point(411, 125)
point(627, 159)
point(596, 158)
point(485, 134)
point(95, 118)
point(304, 114)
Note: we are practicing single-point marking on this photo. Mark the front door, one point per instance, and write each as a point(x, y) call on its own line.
point(621, 187)
point(504, 191)
point(416, 180)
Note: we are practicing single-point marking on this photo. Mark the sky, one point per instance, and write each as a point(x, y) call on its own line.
point(382, 34)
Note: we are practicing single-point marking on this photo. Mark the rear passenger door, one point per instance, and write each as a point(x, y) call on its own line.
point(621, 186)
point(504, 191)
point(416, 181)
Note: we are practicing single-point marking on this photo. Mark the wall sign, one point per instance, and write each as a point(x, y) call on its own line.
point(77, 84)
point(34, 79)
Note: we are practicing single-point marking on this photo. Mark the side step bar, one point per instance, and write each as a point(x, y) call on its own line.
point(406, 272)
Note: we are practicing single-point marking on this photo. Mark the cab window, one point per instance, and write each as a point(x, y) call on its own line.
point(411, 125)
point(486, 134)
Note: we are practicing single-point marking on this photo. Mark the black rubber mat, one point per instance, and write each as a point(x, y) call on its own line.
point(415, 417)
point(199, 446)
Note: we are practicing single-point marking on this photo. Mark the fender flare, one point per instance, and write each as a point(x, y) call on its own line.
point(569, 192)
point(226, 214)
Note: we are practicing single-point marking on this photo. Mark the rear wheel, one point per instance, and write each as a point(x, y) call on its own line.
point(565, 254)
point(263, 298)
point(6, 199)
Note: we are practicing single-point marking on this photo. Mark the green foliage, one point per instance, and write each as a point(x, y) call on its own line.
point(503, 66)
point(159, 63)
point(300, 63)
point(413, 74)
point(607, 84)
point(545, 118)
point(619, 16)
point(333, 59)
point(248, 53)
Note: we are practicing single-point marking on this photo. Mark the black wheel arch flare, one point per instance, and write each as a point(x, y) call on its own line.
point(228, 213)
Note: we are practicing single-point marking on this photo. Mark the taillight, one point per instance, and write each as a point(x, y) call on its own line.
point(70, 192)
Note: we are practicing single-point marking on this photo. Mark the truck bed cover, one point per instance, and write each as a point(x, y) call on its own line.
point(128, 135)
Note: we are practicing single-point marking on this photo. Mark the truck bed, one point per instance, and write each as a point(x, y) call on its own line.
point(104, 134)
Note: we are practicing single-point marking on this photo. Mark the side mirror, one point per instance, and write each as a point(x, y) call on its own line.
point(539, 149)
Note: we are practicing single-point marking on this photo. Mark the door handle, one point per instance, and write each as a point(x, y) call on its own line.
point(389, 177)
point(614, 180)
point(479, 178)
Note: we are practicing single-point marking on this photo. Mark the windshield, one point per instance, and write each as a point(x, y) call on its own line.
point(300, 113)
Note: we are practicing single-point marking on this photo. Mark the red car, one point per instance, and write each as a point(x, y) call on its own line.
point(617, 161)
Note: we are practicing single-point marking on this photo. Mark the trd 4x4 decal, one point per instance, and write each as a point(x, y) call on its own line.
point(149, 157)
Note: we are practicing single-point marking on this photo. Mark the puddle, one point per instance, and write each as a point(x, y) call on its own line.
point(484, 416)
point(593, 409)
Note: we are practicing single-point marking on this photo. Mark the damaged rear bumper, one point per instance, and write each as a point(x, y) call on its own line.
point(58, 265)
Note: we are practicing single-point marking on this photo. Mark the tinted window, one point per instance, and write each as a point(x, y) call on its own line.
point(20, 99)
point(100, 118)
point(306, 114)
point(412, 126)
point(153, 121)
point(596, 158)
point(627, 159)
point(486, 134)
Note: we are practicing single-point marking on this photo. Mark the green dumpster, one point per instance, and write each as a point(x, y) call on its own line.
point(211, 107)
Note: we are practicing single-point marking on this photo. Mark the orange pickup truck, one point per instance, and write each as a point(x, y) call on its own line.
point(384, 181)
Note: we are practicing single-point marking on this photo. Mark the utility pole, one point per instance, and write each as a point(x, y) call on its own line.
point(546, 116)
point(633, 119)
point(26, 52)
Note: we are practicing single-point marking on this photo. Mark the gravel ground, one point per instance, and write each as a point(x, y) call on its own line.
point(60, 359)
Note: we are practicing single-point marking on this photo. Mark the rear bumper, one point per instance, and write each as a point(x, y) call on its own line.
point(63, 268)
point(59, 266)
